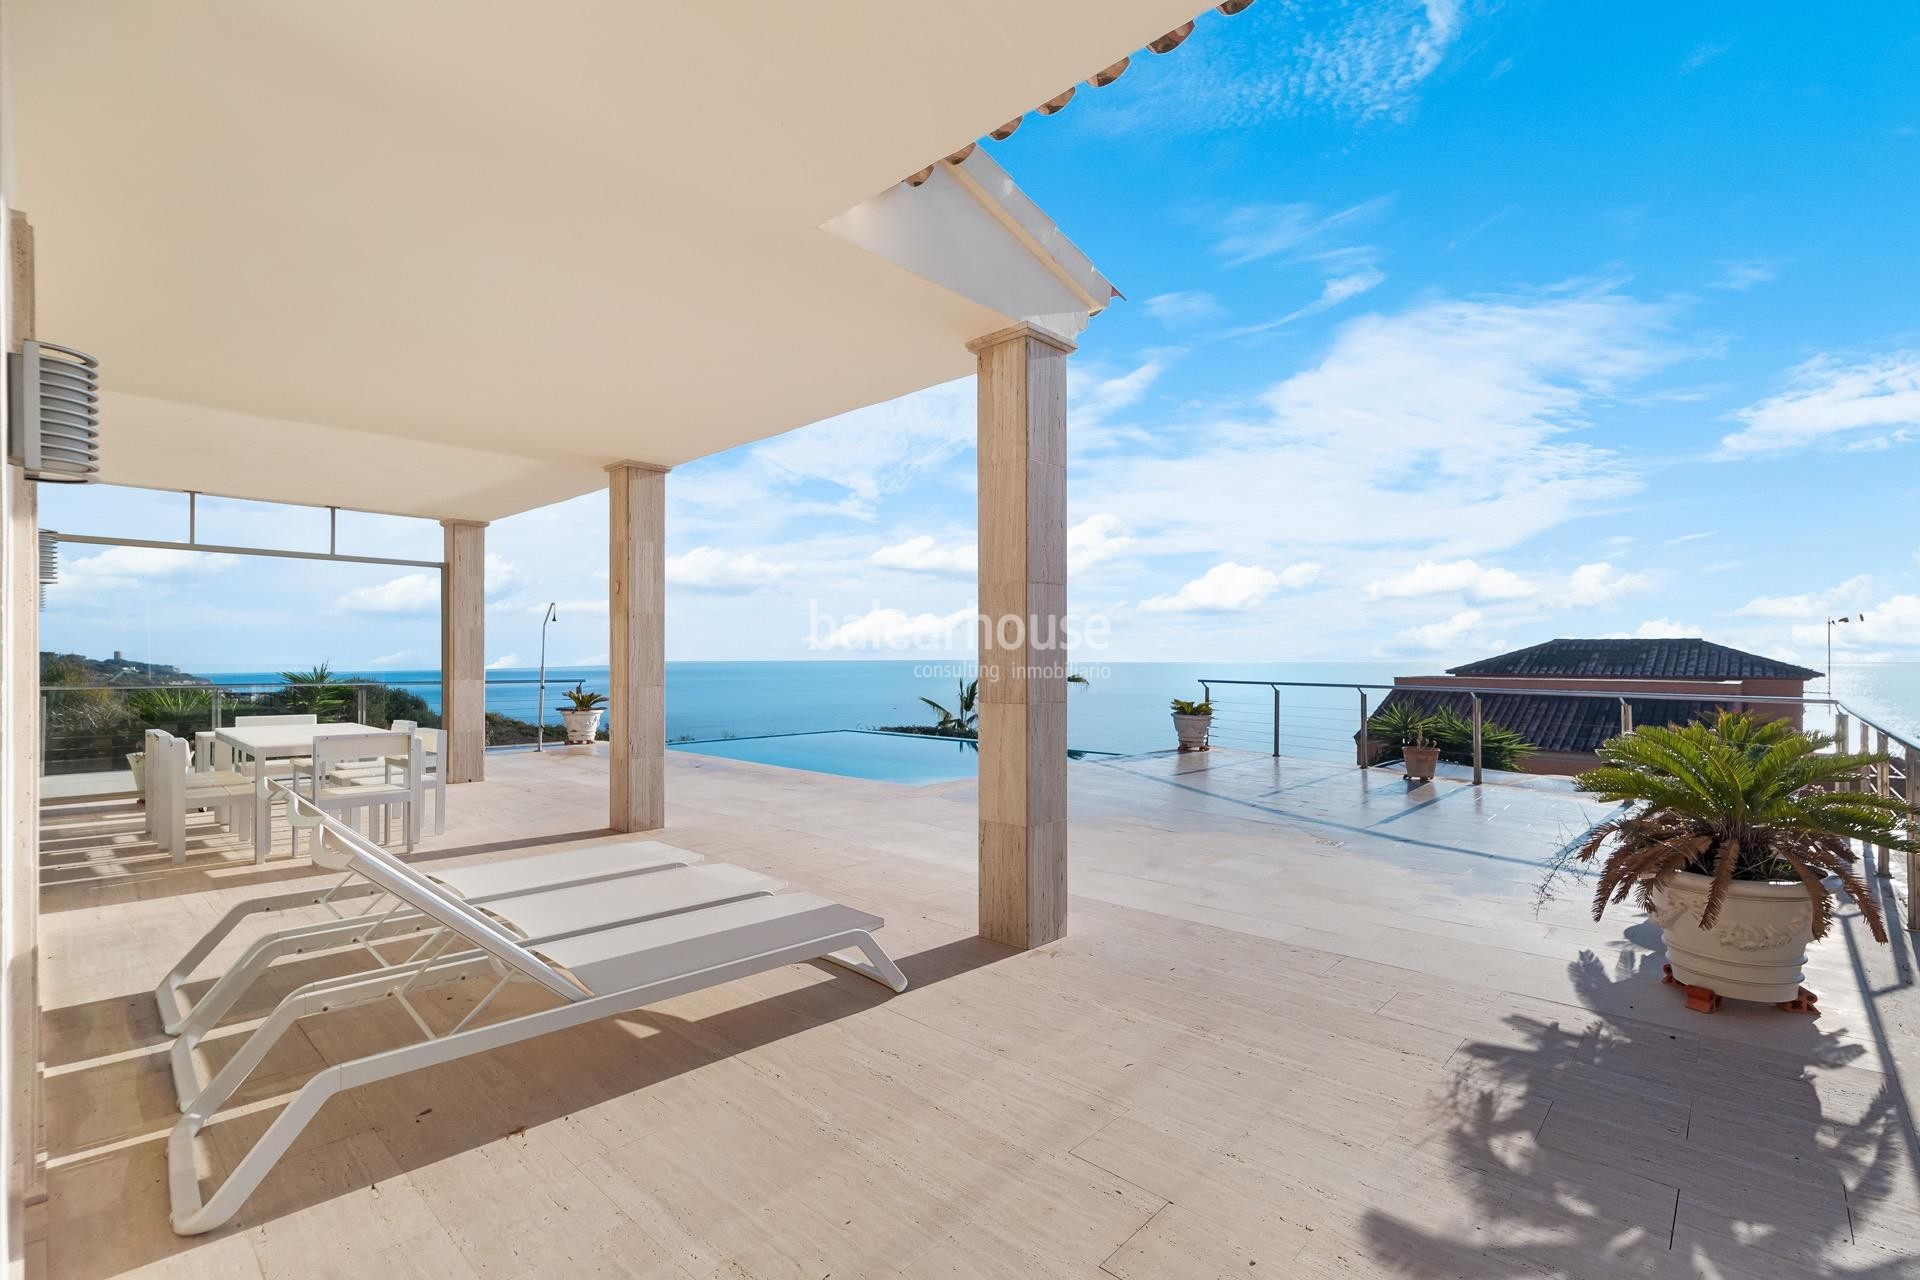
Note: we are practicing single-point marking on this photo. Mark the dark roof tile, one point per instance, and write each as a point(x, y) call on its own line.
point(1557, 723)
point(1665, 659)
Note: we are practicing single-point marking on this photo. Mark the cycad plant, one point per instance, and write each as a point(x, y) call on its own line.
point(1403, 723)
point(1742, 799)
point(580, 698)
point(962, 721)
point(318, 691)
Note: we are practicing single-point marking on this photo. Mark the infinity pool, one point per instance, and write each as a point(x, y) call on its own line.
point(857, 753)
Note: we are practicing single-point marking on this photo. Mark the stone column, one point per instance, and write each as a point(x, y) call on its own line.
point(463, 650)
point(20, 884)
point(637, 652)
point(1023, 603)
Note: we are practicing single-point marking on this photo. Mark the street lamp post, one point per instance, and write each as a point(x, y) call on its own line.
point(540, 712)
point(1831, 624)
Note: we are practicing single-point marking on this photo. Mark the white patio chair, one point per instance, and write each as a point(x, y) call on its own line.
point(333, 786)
point(170, 789)
point(431, 741)
point(594, 971)
point(354, 920)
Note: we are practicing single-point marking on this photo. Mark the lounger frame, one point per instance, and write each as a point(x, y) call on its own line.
point(496, 954)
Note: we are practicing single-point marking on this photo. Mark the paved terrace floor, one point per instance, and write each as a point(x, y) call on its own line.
point(1309, 1021)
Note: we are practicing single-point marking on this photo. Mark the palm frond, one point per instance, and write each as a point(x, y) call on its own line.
point(1743, 798)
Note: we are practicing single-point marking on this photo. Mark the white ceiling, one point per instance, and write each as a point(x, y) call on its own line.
point(449, 258)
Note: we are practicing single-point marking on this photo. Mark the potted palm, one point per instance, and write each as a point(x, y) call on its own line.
point(582, 713)
point(1191, 722)
point(1729, 836)
point(1411, 729)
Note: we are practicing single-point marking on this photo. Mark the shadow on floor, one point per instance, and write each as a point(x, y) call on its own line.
point(1616, 1147)
point(419, 1119)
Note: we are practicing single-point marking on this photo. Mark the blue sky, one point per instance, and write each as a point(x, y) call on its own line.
point(1450, 327)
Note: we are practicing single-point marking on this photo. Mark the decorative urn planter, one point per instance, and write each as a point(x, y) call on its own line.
point(1421, 762)
point(1756, 949)
point(1192, 731)
point(582, 726)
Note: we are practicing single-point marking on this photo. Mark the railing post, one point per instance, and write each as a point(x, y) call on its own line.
point(213, 708)
point(360, 704)
point(1360, 751)
point(1276, 720)
point(1626, 716)
point(1913, 859)
point(1476, 738)
point(1883, 785)
point(1841, 732)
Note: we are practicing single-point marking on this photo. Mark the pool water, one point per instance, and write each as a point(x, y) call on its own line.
point(857, 753)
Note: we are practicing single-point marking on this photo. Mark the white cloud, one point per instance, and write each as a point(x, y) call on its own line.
point(1448, 428)
point(1826, 399)
point(502, 575)
point(1740, 276)
point(408, 593)
point(1702, 54)
point(1099, 537)
point(896, 629)
point(1229, 588)
point(716, 569)
point(1254, 232)
point(590, 605)
point(1181, 308)
point(1375, 62)
point(879, 449)
point(924, 555)
point(1893, 625)
point(1468, 577)
point(144, 563)
point(504, 661)
point(1368, 60)
point(1592, 585)
point(393, 659)
point(1657, 629)
point(1335, 291)
point(416, 593)
point(1439, 636)
point(1811, 604)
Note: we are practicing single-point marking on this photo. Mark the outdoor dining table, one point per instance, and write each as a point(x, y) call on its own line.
point(263, 743)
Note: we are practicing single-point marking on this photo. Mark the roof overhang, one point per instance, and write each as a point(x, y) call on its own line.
point(450, 259)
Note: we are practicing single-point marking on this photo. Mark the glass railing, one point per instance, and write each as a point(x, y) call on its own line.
point(94, 728)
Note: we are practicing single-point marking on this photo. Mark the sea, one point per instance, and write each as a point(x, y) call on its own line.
point(1122, 707)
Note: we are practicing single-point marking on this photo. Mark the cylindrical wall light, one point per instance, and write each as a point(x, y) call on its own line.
point(56, 412)
point(49, 562)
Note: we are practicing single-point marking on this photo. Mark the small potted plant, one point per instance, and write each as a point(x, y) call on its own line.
point(582, 713)
point(1410, 728)
point(1191, 721)
point(1730, 832)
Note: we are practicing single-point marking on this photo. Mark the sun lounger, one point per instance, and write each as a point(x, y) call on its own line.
point(547, 914)
point(594, 973)
point(366, 921)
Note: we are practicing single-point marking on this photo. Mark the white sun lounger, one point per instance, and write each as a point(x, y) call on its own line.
point(596, 973)
point(545, 915)
point(588, 864)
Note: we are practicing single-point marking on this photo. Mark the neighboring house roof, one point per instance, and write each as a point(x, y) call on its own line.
point(1664, 659)
point(1556, 723)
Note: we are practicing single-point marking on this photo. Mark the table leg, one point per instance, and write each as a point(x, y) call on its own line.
point(262, 812)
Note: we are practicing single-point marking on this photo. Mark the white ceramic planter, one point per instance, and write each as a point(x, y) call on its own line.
point(1192, 731)
point(1756, 950)
point(581, 725)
